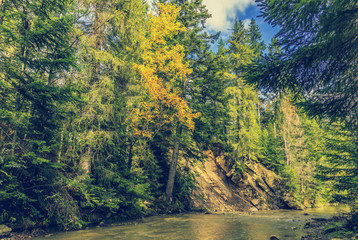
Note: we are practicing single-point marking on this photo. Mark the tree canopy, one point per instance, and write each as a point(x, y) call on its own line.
point(318, 59)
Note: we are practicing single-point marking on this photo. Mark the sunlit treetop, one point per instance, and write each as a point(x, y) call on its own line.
point(163, 73)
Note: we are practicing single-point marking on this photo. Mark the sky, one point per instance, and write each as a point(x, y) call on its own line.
point(224, 12)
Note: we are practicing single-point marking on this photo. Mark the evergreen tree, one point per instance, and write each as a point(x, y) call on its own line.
point(245, 130)
point(210, 99)
point(99, 139)
point(257, 44)
point(35, 54)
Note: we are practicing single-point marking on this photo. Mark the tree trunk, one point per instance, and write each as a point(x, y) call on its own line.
point(60, 149)
point(258, 108)
point(287, 152)
point(130, 155)
point(86, 161)
point(173, 165)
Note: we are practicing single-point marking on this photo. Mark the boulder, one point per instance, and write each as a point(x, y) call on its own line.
point(4, 230)
point(274, 238)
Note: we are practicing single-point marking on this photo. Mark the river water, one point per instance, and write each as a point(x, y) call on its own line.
point(285, 224)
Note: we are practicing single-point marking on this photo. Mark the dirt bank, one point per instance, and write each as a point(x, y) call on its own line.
point(219, 190)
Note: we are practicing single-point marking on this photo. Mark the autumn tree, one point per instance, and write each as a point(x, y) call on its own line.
point(164, 75)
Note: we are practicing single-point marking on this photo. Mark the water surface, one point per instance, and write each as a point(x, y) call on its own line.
point(285, 224)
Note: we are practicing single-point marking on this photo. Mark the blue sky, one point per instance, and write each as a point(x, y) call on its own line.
point(267, 30)
point(224, 12)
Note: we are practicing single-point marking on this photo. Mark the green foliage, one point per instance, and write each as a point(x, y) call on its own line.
point(318, 58)
point(340, 165)
point(69, 156)
point(272, 150)
point(342, 228)
point(35, 54)
point(209, 98)
point(244, 130)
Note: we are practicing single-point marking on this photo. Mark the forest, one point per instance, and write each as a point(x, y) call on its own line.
point(108, 106)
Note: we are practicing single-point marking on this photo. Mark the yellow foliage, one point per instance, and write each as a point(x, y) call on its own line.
point(163, 73)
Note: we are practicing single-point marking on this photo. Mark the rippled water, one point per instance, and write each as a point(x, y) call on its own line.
point(285, 224)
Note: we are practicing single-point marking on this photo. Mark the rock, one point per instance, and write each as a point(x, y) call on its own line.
point(293, 203)
point(221, 189)
point(253, 209)
point(307, 225)
point(4, 230)
point(320, 219)
point(274, 238)
point(255, 201)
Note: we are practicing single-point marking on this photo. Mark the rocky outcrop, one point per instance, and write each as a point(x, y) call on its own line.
point(219, 190)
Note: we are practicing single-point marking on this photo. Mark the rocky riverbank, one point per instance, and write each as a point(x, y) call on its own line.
point(328, 229)
point(28, 234)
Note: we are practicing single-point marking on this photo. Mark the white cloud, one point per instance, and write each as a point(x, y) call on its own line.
point(223, 12)
point(247, 22)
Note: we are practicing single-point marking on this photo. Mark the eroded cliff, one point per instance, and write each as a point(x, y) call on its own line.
point(219, 190)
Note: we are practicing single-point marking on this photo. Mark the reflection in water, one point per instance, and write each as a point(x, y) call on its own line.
point(284, 224)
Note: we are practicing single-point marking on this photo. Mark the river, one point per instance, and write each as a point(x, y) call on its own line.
point(285, 224)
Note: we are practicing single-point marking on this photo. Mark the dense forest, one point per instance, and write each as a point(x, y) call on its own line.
point(106, 108)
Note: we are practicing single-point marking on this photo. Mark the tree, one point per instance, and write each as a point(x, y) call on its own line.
point(245, 130)
point(257, 44)
point(212, 73)
point(340, 166)
point(107, 42)
point(98, 143)
point(319, 59)
point(35, 55)
point(164, 75)
point(205, 86)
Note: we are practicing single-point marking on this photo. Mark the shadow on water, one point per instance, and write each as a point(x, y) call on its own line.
point(285, 224)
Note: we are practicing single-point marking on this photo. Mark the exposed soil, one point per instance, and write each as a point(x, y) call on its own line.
point(219, 190)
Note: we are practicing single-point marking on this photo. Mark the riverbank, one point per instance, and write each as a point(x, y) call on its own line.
point(328, 229)
point(48, 232)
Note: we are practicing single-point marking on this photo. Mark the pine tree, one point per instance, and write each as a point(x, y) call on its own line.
point(340, 166)
point(257, 44)
point(97, 143)
point(35, 55)
point(319, 60)
point(210, 98)
point(245, 130)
